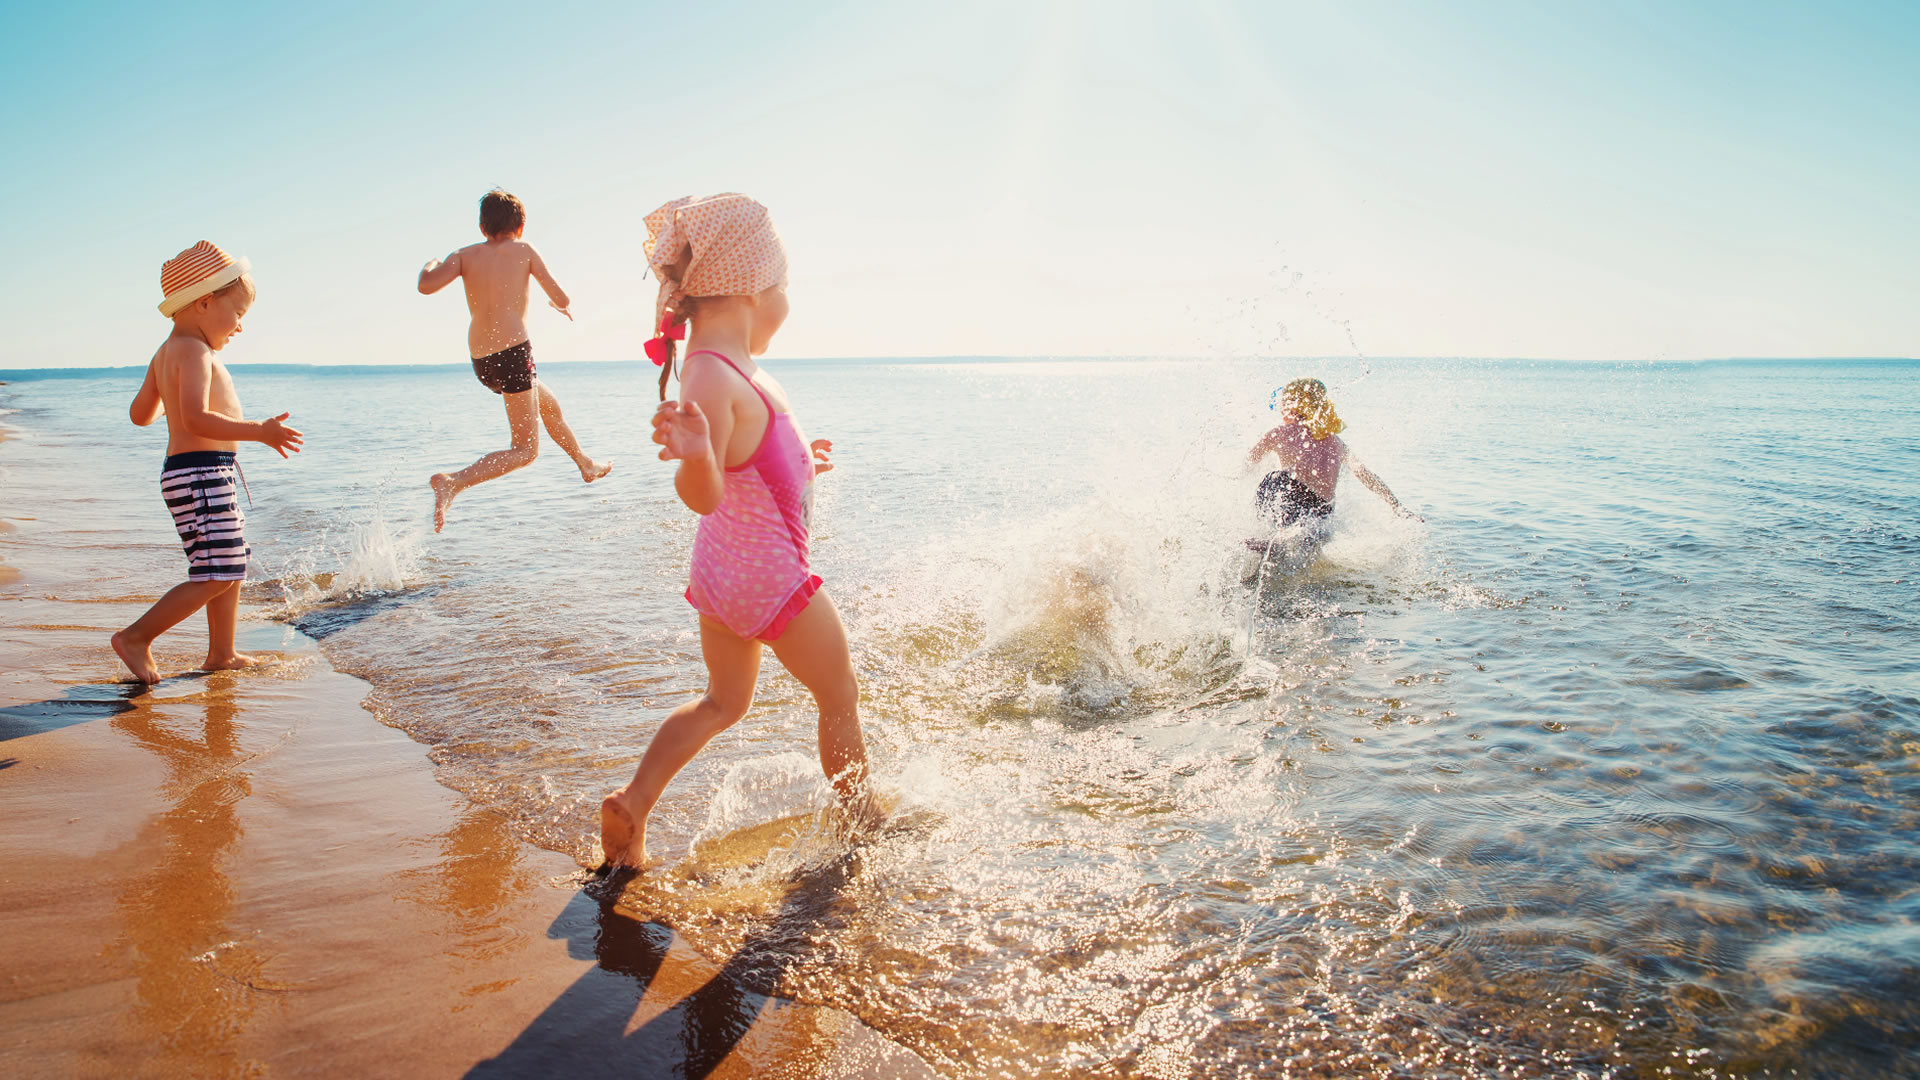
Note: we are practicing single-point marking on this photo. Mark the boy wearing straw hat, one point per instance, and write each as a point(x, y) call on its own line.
point(206, 293)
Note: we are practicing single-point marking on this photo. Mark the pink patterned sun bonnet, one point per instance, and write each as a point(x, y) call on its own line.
point(735, 251)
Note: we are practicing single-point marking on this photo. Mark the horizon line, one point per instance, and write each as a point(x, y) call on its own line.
point(348, 367)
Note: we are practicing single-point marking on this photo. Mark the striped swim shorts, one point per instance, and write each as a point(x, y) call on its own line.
point(200, 491)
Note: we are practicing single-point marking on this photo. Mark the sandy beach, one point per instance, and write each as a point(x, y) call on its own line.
point(248, 875)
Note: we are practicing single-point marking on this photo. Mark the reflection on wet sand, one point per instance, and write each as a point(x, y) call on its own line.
point(477, 885)
point(198, 984)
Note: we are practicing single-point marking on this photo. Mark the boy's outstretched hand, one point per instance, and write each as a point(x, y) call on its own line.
point(681, 431)
point(561, 310)
point(278, 435)
point(821, 448)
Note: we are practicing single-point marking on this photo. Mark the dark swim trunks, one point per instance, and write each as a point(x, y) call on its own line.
point(1283, 499)
point(509, 371)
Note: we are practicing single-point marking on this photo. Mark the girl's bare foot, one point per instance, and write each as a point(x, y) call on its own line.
point(622, 841)
point(591, 470)
point(229, 662)
point(865, 811)
point(443, 494)
point(138, 656)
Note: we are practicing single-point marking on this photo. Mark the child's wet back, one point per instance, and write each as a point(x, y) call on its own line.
point(496, 276)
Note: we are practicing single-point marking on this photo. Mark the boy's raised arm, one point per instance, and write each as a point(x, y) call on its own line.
point(147, 406)
point(437, 275)
point(196, 381)
point(556, 295)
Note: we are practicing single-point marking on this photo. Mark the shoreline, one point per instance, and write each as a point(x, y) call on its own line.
point(248, 873)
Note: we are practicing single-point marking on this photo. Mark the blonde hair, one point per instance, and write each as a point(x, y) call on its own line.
point(1308, 399)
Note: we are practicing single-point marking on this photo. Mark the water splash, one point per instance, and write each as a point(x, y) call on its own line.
point(363, 559)
point(764, 790)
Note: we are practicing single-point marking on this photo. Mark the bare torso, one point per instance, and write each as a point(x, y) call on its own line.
point(175, 354)
point(1314, 462)
point(495, 273)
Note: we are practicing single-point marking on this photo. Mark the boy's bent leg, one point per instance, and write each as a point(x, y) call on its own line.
point(813, 648)
point(590, 470)
point(223, 616)
point(523, 421)
point(733, 663)
point(135, 644)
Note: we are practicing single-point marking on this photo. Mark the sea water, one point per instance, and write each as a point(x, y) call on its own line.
point(1610, 766)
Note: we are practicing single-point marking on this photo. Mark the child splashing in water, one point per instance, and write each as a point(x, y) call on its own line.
point(746, 470)
point(1308, 445)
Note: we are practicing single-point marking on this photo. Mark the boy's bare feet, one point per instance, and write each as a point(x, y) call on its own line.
point(591, 470)
point(138, 656)
point(229, 662)
point(443, 494)
point(622, 841)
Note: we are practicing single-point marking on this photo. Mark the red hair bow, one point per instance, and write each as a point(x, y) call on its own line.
point(657, 344)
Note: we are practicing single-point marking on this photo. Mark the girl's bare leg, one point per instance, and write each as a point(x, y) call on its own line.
point(223, 616)
point(814, 649)
point(590, 470)
point(733, 663)
point(523, 420)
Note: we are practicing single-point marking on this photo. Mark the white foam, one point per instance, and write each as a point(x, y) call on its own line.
point(762, 790)
point(376, 560)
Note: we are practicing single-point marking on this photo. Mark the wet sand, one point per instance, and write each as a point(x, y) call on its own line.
point(247, 874)
point(8, 575)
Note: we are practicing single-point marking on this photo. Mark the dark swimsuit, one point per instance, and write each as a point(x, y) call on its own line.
point(509, 371)
point(1283, 499)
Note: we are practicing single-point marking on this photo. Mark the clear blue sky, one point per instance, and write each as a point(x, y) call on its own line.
point(1617, 180)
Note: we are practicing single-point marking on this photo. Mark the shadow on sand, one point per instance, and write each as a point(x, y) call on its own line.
point(322, 622)
point(88, 701)
point(584, 1032)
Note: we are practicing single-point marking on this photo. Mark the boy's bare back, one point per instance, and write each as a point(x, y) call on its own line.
point(495, 273)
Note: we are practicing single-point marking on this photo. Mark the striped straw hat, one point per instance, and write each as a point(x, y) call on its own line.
point(195, 272)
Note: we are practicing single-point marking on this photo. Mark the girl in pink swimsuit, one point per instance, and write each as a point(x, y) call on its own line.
point(1307, 442)
point(748, 472)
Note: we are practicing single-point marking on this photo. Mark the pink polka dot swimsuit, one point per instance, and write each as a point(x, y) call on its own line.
point(750, 567)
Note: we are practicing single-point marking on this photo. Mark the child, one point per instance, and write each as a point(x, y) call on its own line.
point(745, 469)
point(496, 272)
point(1310, 453)
point(207, 292)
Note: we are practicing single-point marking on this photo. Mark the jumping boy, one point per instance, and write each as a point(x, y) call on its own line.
point(206, 293)
point(495, 272)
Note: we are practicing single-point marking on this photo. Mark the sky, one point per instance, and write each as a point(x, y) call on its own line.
point(1622, 181)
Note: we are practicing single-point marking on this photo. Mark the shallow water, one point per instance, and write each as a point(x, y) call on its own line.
point(1610, 767)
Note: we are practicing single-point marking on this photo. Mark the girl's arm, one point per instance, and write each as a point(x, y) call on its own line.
point(1378, 487)
point(695, 431)
point(147, 404)
point(1268, 444)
